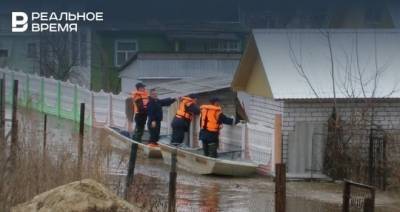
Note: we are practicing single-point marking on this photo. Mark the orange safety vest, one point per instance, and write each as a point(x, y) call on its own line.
point(184, 103)
point(209, 118)
point(140, 95)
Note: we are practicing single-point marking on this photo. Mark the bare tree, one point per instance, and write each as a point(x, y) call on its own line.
point(353, 80)
point(56, 57)
point(65, 55)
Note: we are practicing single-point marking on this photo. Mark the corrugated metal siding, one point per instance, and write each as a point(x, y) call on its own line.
point(259, 109)
point(179, 68)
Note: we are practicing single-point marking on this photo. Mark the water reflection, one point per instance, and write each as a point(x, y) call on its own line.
point(194, 192)
point(209, 198)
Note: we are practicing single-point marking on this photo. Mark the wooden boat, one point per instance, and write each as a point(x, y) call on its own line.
point(150, 152)
point(193, 160)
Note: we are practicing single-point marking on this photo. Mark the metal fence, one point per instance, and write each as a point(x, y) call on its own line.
point(369, 156)
point(358, 196)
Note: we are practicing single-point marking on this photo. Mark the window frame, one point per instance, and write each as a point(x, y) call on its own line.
point(126, 52)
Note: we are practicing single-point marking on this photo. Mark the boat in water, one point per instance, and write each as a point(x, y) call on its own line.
point(193, 160)
point(124, 136)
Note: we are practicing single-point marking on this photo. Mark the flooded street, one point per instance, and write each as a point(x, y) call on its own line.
point(194, 192)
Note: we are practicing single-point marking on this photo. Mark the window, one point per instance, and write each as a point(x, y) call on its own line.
point(79, 51)
point(32, 50)
point(224, 46)
point(3, 53)
point(124, 49)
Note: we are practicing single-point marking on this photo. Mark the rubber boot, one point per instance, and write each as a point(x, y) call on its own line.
point(212, 149)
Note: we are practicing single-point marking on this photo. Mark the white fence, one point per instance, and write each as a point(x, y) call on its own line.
point(63, 99)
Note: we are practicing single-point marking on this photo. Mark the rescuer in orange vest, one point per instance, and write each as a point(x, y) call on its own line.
point(211, 120)
point(140, 101)
point(187, 109)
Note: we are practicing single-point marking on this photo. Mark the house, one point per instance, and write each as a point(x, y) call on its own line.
point(289, 72)
point(155, 68)
point(17, 50)
point(61, 55)
point(113, 50)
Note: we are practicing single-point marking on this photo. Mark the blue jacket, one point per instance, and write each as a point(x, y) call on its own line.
point(154, 108)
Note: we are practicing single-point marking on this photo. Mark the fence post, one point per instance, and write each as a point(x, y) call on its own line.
point(172, 183)
point(131, 168)
point(92, 108)
point(75, 102)
point(368, 205)
point(280, 187)
point(44, 136)
point(44, 153)
point(42, 98)
point(58, 98)
point(27, 93)
point(384, 162)
point(81, 134)
point(346, 196)
point(2, 110)
point(371, 168)
point(14, 126)
point(110, 112)
point(245, 148)
point(372, 199)
point(278, 138)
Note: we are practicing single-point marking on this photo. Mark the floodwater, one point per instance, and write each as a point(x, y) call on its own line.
point(200, 193)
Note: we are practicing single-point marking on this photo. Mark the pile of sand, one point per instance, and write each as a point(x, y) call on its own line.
point(81, 196)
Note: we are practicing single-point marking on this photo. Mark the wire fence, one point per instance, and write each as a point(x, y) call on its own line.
point(369, 156)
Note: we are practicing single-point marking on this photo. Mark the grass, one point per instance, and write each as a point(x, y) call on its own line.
point(36, 171)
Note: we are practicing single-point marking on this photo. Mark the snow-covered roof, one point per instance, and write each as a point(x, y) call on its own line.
point(358, 57)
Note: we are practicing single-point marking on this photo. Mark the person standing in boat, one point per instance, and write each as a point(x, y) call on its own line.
point(140, 101)
point(187, 109)
point(211, 121)
point(155, 115)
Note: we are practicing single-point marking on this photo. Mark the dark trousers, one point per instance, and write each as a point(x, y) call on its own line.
point(210, 148)
point(154, 131)
point(210, 142)
point(179, 128)
point(140, 121)
point(178, 134)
